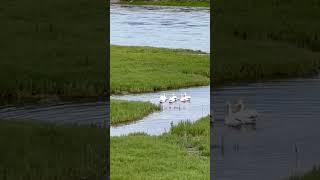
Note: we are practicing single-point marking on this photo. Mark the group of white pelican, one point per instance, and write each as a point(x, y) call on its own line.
point(237, 114)
point(183, 98)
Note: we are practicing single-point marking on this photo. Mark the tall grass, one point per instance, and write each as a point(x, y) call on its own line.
point(194, 136)
point(182, 153)
point(146, 69)
point(52, 48)
point(314, 174)
point(128, 111)
point(265, 40)
point(45, 151)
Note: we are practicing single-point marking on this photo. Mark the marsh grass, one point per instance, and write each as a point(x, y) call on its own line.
point(265, 40)
point(187, 3)
point(314, 174)
point(31, 150)
point(193, 135)
point(147, 69)
point(46, 49)
point(182, 153)
point(127, 111)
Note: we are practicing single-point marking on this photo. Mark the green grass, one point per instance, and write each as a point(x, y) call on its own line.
point(256, 41)
point(46, 49)
point(182, 153)
point(314, 174)
point(147, 69)
point(187, 3)
point(128, 111)
point(45, 151)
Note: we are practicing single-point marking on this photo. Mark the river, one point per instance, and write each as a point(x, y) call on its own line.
point(285, 138)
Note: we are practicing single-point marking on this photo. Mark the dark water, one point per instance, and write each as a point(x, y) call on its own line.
point(285, 140)
point(63, 113)
point(160, 122)
point(169, 27)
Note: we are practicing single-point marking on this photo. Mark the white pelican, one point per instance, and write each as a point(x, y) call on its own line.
point(173, 98)
point(163, 98)
point(183, 98)
point(230, 119)
point(187, 97)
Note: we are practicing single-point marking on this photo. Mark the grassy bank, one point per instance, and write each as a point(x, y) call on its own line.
point(46, 49)
point(265, 40)
point(182, 153)
point(45, 151)
point(314, 174)
point(186, 3)
point(128, 111)
point(147, 69)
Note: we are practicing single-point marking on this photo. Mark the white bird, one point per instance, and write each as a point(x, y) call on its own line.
point(230, 119)
point(246, 116)
point(183, 98)
point(163, 98)
point(187, 97)
point(173, 98)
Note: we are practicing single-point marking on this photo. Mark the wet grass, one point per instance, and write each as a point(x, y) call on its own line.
point(147, 69)
point(45, 151)
point(46, 49)
point(314, 174)
point(186, 3)
point(128, 111)
point(182, 153)
point(256, 41)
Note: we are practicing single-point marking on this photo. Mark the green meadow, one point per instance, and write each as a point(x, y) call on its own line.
point(186, 3)
point(148, 69)
point(128, 111)
point(182, 153)
point(32, 150)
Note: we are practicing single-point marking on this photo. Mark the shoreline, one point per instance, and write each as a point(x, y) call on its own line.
point(205, 4)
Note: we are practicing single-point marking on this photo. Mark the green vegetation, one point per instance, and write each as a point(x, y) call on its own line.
point(188, 3)
point(265, 40)
point(182, 153)
point(147, 69)
point(314, 174)
point(127, 111)
point(46, 49)
point(45, 151)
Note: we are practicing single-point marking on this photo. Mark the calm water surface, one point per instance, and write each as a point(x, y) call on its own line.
point(160, 122)
point(169, 27)
point(285, 140)
point(62, 113)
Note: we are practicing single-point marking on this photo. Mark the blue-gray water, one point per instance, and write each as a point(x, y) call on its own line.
point(62, 113)
point(290, 121)
point(169, 27)
point(159, 122)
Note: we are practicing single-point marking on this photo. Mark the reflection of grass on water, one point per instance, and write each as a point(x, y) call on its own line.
point(182, 153)
point(127, 111)
point(265, 40)
point(45, 151)
point(187, 3)
point(146, 69)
